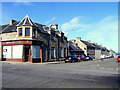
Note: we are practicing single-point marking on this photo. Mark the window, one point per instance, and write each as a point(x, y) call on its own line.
point(27, 31)
point(34, 34)
point(76, 45)
point(52, 52)
point(52, 36)
point(20, 32)
point(60, 52)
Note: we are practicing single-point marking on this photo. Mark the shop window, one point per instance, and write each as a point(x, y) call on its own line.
point(20, 32)
point(27, 31)
point(52, 52)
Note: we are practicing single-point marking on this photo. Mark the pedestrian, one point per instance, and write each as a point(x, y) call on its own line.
point(101, 59)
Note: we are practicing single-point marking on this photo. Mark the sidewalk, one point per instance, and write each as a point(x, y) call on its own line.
point(13, 62)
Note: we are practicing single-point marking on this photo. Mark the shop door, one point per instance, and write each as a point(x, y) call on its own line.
point(27, 53)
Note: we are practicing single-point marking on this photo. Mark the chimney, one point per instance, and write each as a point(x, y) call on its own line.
point(73, 41)
point(95, 43)
point(11, 22)
point(78, 38)
point(55, 26)
point(101, 45)
point(88, 41)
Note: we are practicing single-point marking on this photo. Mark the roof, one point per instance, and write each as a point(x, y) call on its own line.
point(96, 46)
point(10, 28)
point(87, 43)
point(26, 21)
point(73, 47)
point(102, 48)
point(2, 27)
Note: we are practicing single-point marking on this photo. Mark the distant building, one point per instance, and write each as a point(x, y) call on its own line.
point(86, 46)
point(74, 49)
point(27, 41)
point(97, 51)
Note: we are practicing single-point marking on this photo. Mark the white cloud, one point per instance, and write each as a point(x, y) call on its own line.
point(75, 24)
point(103, 32)
point(51, 20)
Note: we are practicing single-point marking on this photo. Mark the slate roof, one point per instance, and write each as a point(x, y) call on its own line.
point(96, 46)
point(87, 43)
point(24, 22)
point(102, 48)
point(73, 47)
point(3, 27)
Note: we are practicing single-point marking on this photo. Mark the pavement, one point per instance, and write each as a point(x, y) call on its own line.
point(89, 74)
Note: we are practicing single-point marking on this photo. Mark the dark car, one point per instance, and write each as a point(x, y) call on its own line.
point(88, 58)
point(118, 58)
point(71, 59)
point(80, 58)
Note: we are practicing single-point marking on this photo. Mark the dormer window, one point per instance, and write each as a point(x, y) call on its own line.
point(20, 32)
point(27, 32)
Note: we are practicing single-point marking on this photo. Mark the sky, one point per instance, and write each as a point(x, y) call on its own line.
point(94, 21)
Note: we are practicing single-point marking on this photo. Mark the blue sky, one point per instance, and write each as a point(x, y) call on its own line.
point(95, 21)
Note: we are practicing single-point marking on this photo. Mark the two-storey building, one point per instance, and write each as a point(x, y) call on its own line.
point(27, 41)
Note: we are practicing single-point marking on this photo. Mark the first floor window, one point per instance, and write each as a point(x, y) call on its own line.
point(34, 32)
point(60, 52)
point(27, 31)
point(20, 32)
point(52, 52)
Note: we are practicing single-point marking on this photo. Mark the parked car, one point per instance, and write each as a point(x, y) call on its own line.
point(118, 58)
point(71, 59)
point(107, 56)
point(88, 58)
point(80, 58)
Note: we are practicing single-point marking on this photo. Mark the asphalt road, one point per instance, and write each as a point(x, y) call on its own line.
point(90, 74)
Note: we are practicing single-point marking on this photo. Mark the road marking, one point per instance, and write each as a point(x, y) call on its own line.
point(98, 65)
point(101, 68)
point(118, 68)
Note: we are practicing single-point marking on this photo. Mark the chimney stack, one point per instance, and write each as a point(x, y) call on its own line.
point(78, 38)
point(11, 22)
point(88, 41)
point(73, 41)
point(95, 43)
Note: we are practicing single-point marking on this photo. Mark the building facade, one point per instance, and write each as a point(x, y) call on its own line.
point(27, 41)
point(74, 49)
point(86, 46)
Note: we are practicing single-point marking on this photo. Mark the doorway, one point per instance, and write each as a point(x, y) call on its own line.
point(27, 53)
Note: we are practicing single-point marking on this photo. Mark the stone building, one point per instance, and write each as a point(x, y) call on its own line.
point(74, 49)
point(27, 41)
point(97, 51)
point(86, 46)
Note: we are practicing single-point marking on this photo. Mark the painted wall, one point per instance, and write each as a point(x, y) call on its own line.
point(10, 52)
point(97, 54)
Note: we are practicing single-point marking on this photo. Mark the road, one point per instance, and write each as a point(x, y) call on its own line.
point(89, 74)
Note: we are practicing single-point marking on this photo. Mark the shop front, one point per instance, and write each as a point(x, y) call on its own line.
point(22, 51)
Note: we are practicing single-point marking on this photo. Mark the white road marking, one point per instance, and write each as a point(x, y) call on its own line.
point(101, 68)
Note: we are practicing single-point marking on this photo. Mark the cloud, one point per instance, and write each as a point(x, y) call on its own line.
point(104, 31)
point(75, 25)
point(51, 20)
